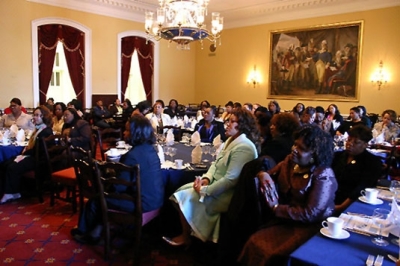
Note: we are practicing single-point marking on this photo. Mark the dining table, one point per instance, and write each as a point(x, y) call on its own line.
point(10, 150)
point(353, 249)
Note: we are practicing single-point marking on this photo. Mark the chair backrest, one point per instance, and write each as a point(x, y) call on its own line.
point(107, 138)
point(108, 176)
point(87, 180)
point(57, 153)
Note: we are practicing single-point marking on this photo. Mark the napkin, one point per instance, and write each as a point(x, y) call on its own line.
point(13, 130)
point(20, 135)
point(217, 141)
point(380, 138)
point(170, 139)
point(160, 153)
point(196, 154)
point(185, 119)
point(195, 138)
point(193, 123)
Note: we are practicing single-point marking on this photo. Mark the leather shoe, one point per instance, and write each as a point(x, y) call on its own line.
point(173, 243)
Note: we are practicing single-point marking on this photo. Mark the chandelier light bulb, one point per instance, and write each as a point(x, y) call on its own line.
point(183, 22)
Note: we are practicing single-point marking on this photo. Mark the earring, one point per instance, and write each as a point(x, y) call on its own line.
point(312, 160)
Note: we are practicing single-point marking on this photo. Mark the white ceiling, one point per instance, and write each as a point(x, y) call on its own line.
point(236, 13)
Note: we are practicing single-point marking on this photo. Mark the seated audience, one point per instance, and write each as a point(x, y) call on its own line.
point(363, 115)
point(274, 107)
point(50, 104)
point(255, 106)
point(355, 168)
point(208, 127)
point(355, 120)
point(303, 197)
point(128, 109)
point(158, 119)
point(298, 110)
point(142, 139)
point(389, 129)
point(308, 116)
point(237, 105)
point(58, 117)
point(228, 110)
point(172, 109)
point(201, 219)
point(320, 120)
point(334, 118)
point(17, 117)
point(263, 118)
point(77, 105)
point(282, 127)
point(15, 167)
point(142, 108)
point(100, 115)
point(248, 106)
point(116, 108)
point(203, 105)
point(77, 131)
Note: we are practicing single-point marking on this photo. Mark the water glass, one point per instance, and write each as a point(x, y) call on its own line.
point(213, 152)
point(172, 152)
point(380, 219)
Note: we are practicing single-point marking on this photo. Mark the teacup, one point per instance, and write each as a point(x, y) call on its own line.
point(121, 143)
point(334, 225)
point(113, 152)
point(178, 163)
point(370, 194)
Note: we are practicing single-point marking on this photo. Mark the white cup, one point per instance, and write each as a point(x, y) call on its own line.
point(113, 152)
point(370, 194)
point(178, 163)
point(334, 225)
point(121, 143)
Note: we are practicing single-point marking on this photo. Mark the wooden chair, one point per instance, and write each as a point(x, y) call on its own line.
point(136, 218)
point(107, 138)
point(59, 158)
point(176, 130)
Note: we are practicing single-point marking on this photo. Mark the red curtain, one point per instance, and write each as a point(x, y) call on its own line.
point(73, 40)
point(145, 52)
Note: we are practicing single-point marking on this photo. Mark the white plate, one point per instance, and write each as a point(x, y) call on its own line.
point(174, 167)
point(343, 235)
point(376, 202)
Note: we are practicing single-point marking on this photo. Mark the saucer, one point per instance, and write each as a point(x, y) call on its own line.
point(376, 202)
point(182, 168)
point(343, 235)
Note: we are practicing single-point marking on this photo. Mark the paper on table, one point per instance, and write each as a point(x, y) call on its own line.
point(363, 224)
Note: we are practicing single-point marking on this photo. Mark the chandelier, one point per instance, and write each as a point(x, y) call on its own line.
point(182, 22)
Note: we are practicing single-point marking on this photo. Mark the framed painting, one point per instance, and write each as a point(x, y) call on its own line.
point(317, 63)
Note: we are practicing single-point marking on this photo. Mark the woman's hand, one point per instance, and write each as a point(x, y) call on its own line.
point(198, 183)
point(268, 189)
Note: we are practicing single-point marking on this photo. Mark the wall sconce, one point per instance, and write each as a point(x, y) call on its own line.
point(379, 77)
point(254, 77)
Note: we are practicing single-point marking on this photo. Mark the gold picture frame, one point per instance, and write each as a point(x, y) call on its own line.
point(317, 63)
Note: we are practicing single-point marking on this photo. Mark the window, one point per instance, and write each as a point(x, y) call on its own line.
point(60, 87)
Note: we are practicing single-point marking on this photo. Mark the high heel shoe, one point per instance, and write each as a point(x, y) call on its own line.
point(171, 242)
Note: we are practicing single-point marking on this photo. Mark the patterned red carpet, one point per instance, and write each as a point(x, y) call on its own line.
point(37, 234)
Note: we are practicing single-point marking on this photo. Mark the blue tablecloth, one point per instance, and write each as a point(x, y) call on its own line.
point(7, 152)
point(320, 250)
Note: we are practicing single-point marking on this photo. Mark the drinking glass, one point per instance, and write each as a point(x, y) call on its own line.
point(172, 152)
point(205, 150)
point(166, 150)
point(213, 152)
point(380, 219)
point(395, 187)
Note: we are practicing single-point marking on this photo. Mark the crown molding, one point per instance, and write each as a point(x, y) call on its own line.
point(237, 13)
